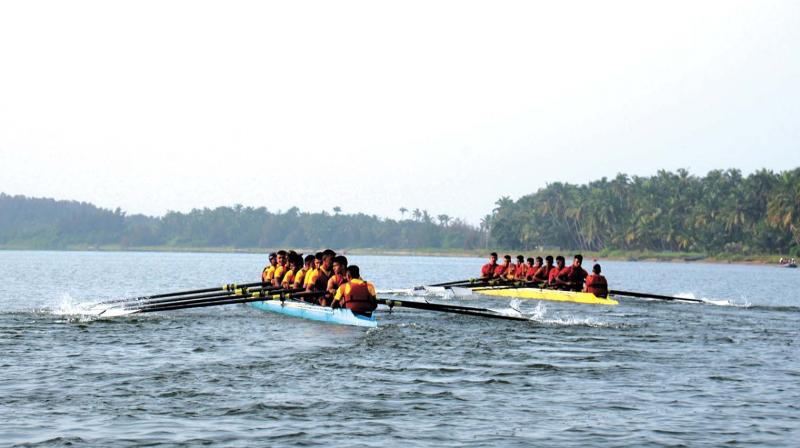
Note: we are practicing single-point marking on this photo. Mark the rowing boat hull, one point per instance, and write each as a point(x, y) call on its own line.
point(315, 312)
point(548, 294)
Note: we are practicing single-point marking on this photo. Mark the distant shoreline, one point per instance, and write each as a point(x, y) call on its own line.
point(672, 257)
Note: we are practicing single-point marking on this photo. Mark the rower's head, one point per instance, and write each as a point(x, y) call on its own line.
point(273, 258)
point(560, 261)
point(530, 261)
point(309, 261)
point(549, 260)
point(281, 257)
point(539, 261)
point(317, 260)
point(327, 261)
point(493, 258)
point(520, 259)
point(330, 252)
point(507, 259)
point(296, 261)
point(339, 264)
point(353, 272)
point(578, 260)
point(596, 268)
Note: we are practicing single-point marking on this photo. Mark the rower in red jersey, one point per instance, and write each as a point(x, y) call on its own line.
point(552, 276)
point(503, 270)
point(533, 267)
point(572, 277)
point(488, 270)
point(543, 274)
point(520, 270)
point(596, 283)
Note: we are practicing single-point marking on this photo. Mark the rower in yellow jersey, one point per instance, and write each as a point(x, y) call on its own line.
point(295, 263)
point(308, 282)
point(300, 277)
point(280, 268)
point(338, 277)
point(269, 270)
point(356, 295)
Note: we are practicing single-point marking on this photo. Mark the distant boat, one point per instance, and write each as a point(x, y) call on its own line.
point(786, 263)
point(789, 265)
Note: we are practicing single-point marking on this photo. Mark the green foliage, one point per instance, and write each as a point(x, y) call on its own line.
point(722, 212)
point(49, 224)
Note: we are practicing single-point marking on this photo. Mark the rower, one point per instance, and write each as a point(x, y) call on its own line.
point(543, 274)
point(521, 270)
point(572, 277)
point(300, 277)
point(356, 295)
point(552, 276)
point(338, 278)
point(596, 283)
point(269, 270)
point(503, 270)
point(295, 262)
point(533, 267)
point(488, 270)
point(319, 279)
point(280, 268)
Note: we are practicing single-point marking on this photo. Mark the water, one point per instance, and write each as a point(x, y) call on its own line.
point(642, 372)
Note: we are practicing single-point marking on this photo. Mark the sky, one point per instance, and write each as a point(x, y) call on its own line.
point(371, 106)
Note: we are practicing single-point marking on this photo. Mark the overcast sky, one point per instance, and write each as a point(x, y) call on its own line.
point(445, 106)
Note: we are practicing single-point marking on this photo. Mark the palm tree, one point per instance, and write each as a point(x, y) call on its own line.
point(417, 214)
point(403, 211)
point(443, 220)
point(337, 210)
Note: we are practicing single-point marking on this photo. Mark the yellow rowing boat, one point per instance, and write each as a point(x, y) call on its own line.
point(546, 294)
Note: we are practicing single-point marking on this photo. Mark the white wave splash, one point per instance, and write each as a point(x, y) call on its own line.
point(714, 301)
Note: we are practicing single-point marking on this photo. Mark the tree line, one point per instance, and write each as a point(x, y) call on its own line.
point(722, 212)
point(50, 224)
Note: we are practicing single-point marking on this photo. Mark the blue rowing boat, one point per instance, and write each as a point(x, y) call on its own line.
point(315, 312)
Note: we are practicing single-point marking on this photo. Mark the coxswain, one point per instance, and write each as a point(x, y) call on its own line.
point(338, 278)
point(488, 270)
point(269, 270)
point(520, 270)
point(572, 277)
point(596, 283)
point(300, 277)
point(552, 276)
point(543, 274)
point(356, 295)
point(280, 268)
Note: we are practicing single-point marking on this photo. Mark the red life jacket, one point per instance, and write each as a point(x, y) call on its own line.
point(488, 269)
point(358, 298)
point(553, 274)
point(597, 285)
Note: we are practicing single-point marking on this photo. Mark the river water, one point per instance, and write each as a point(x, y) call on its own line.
point(639, 373)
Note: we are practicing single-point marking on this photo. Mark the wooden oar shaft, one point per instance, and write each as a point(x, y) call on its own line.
point(645, 295)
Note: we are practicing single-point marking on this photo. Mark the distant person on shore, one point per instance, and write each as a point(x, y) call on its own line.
point(543, 274)
point(572, 277)
point(488, 270)
point(269, 269)
point(596, 283)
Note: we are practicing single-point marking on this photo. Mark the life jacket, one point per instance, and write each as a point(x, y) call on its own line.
point(359, 297)
point(338, 280)
point(553, 274)
point(488, 269)
point(573, 275)
point(532, 271)
point(597, 285)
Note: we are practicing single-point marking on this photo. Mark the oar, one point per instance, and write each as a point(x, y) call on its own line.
point(232, 300)
point(241, 290)
point(645, 295)
point(445, 308)
point(228, 287)
point(467, 282)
